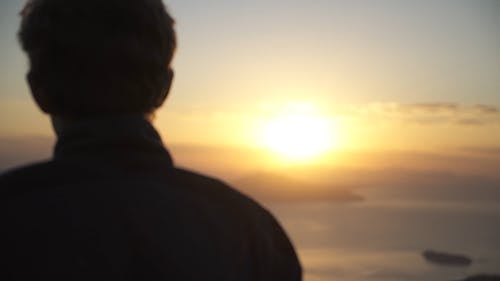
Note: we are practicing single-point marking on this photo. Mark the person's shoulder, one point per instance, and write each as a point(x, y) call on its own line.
point(270, 242)
point(23, 177)
point(209, 184)
point(219, 192)
point(24, 172)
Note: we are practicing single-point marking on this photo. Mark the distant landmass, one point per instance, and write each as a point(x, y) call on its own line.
point(446, 259)
point(483, 277)
point(276, 187)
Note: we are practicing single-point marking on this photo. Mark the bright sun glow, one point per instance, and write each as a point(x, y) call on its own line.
point(299, 134)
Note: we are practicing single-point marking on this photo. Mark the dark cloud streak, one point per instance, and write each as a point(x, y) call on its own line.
point(471, 122)
point(487, 109)
point(432, 107)
point(430, 113)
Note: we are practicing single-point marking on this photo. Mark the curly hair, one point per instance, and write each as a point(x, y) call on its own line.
point(98, 57)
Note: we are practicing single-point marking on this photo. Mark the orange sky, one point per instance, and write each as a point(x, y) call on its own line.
point(397, 75)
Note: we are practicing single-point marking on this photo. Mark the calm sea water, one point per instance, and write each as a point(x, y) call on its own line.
point(383, 237)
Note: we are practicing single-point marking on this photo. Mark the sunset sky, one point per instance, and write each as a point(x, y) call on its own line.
point(389, 107)
point(378, 75)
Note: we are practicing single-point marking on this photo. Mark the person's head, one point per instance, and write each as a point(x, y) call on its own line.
point(93, 58)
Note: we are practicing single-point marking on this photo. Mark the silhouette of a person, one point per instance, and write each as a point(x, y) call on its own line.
point(110, 205)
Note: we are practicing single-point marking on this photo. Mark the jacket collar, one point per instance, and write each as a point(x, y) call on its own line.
point(120, 137)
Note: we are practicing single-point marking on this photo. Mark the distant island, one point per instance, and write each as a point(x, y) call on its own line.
point(446, 259)
point(276, 187)
point(483, 277)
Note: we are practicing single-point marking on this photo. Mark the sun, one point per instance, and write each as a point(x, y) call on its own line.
point(299, 135)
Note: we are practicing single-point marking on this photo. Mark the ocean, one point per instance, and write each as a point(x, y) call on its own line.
point(383, 237)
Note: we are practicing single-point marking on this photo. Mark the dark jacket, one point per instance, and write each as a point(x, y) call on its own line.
point(111, 206)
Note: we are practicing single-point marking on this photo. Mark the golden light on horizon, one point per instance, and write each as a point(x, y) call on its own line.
point(300, 134)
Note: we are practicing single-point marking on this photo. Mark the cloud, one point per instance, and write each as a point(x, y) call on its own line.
point(471, 122)
point(430, 113)
point(490, 151)
point(487, 109)
point(431, 107)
